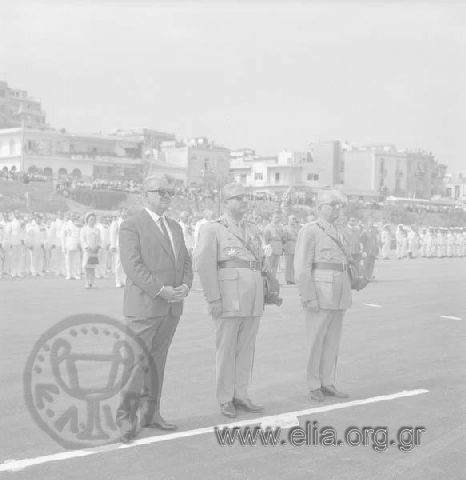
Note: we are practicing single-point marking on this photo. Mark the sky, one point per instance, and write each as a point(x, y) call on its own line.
point(263, 75)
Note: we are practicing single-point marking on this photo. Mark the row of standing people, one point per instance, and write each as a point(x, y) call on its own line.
point(431, 242)
point(228, 257)
point(61, 245)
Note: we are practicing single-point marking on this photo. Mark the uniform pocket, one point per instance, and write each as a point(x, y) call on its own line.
point(324, 282)
point(229, 291)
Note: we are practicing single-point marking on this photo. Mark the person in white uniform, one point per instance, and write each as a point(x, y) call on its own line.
point(72, 249)
point(120, 276)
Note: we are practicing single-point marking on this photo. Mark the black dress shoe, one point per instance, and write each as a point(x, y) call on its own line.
point(246, 404)
point(331, 391)
point(228, 409)
point(160, 423)
point(316, 395)
point(127, 430)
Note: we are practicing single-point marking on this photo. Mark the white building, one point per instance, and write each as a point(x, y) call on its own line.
point(59, 153)
point(456, 188)
point(196, 161)
point(272, 173)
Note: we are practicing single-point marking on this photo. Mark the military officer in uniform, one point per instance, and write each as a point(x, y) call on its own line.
point(321, 267)
point(229, 266)
point(274, 237)
point(291, 234)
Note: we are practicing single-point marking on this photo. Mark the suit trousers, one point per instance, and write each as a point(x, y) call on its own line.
point(146, 378)
point(323, 332)
point(235, 341)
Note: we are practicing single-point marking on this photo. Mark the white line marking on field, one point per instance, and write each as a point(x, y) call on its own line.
point(375, 305)
point(285, 419)
point(450, 317)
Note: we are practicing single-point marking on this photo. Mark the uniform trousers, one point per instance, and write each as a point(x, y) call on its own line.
point(323, 332)
point(289, 268)
point(57, 261)
point(146, 376)
point(386, 250)
point(73, 263)
point(120, 276)
point(48, 258)
point(369, 265)
point(2, 262)
point(101, 268)
point(16, 260)
point(273, 262)
point(37, 260)
point(235, 341)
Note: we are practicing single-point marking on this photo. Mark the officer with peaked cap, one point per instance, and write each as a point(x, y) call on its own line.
point(228, 260)
point(321, 266)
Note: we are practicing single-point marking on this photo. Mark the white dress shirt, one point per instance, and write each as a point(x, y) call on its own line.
point(161, 218)
point(157, 219)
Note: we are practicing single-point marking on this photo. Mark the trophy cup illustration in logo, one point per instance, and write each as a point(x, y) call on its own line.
point(65, 367)
point(75, 374)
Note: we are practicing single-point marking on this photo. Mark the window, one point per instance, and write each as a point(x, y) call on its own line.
point(242, 178)
point(310, 176)
point(258, 176)
point(316, 176)
point(277, 177)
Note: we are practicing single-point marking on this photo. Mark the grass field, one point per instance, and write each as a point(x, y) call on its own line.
point(405, 332)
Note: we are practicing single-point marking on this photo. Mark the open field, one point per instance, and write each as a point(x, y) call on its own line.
point(405, 332)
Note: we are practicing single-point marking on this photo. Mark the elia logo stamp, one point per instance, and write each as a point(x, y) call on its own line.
point(74, 377)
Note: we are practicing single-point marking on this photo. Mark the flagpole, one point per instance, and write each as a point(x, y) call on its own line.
point(22, 147)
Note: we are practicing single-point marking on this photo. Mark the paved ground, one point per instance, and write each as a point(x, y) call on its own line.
point(398, 342)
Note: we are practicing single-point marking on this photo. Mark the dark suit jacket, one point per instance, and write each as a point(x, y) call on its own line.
point(148, 261)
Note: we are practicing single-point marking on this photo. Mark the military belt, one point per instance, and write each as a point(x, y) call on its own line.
point(339, 267)
point(251, 264)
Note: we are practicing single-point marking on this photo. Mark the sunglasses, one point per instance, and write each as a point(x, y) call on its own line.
point(163, 193)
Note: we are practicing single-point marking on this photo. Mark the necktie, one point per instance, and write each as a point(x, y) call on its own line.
point(165, 233)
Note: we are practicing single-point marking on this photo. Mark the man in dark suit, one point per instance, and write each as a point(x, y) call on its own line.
point(159, 276)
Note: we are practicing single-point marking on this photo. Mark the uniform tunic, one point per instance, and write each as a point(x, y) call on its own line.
point(331, 289)
point(240, 289)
